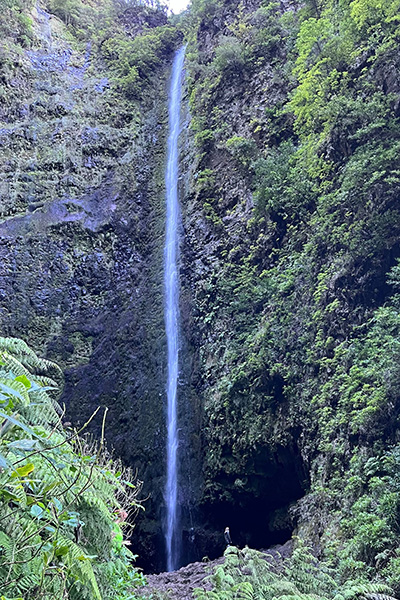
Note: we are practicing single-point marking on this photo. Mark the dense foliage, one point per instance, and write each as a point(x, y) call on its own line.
point(296, 122)
point(132, 38)
point(63, 499)
point(82, 112)
point(295, 180)
point(251, 575)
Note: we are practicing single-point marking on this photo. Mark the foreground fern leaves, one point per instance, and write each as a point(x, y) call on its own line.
point(251, 575)
point(62, 499)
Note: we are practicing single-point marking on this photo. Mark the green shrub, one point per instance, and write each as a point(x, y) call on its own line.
point(133, 62)
point(60, 520)
point(251, 575)
point(230, 56)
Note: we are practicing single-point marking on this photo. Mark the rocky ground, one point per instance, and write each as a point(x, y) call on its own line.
point(179, 585)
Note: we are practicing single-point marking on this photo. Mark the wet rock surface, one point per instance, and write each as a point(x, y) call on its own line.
point(81, 237)
point(81, 261)
point(251, 482)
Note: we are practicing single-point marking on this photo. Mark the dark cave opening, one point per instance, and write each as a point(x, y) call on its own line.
point(257, 510)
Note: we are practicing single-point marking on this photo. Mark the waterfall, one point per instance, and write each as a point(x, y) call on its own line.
point(171, 309)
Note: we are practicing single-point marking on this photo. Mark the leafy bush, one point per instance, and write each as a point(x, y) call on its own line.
point(242, 149)
point(62, 499)
point(15, 22)
point(251, 575)
point(134, 61)
point(230, 56)
point(282, 185)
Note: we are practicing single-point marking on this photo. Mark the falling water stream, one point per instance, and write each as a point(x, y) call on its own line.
point(171, 309)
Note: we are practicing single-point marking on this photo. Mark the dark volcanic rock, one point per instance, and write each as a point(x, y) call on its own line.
point(81, 245)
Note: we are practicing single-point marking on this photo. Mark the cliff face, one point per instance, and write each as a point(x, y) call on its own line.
point(253, 469)
point(289, 389)
point(291, 246)
point(82, 217)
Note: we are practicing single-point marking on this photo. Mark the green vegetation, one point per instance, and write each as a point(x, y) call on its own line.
point(251, 575)
point(63, 500)
point(76, 155)
point(16, 34)
point(134, 61)
point(298, 315)
point(295, 141)
point(133, 37)
point(15, 21)
point(82, 17)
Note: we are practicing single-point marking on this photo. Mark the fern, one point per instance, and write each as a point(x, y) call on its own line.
point(16, 347)
point(247, 575)
point(80, 564)
point(94, 501)
point(42, 413)
point(244, 591)
point(309, 575)
point(22, 352)
point(26, 583)
point(378, 596)
point(373, 591)
point(46, 481)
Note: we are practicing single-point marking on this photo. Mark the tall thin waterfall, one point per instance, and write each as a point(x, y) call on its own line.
point(171, 309)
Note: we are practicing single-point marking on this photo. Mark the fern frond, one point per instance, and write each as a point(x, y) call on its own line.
point(27, 357)
point(42, 414)
point(27, 582)
point(46, 381)
point(92, 500)
point(284, 588)
point(6, 544)
point(379, 597)
point(11, 364)
point(364, 590)
point(244, 591)
point(80, 564)
point(15, 346)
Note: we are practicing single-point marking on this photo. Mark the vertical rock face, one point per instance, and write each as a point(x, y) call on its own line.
point(82, 205)
point(290, 236)
point(291, 233)
point(81, 237)
point(250, 477)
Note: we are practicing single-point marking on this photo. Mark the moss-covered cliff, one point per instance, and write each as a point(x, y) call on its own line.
point(83, 125)
point(289, 392)
point(292, 230)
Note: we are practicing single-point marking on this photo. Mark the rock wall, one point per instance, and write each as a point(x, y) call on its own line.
point(247, 485)
point(289, 391)
point(81, 240)
point(290, 252)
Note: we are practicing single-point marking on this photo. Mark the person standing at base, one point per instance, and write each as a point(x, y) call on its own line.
point(227, 537)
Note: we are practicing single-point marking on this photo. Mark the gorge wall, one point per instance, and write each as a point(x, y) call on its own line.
point(289, 390)
point(291, 247)
point(82, 215)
